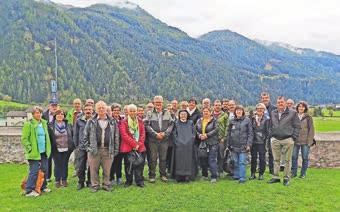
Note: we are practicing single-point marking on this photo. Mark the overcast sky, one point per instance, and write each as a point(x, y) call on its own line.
point(302, 23)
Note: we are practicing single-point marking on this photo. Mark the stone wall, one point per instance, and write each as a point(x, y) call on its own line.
point(325, 154)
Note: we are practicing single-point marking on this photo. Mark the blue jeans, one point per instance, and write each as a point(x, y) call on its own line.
point(34, 166)
point(240, 162)
point(211, 161)
point(305, 153)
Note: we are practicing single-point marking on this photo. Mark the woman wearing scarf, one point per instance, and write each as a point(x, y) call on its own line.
point(207, 134)
point(304, 141)
point(261, 136)
point(133, 135)
point(62, 147)
point(184, 133)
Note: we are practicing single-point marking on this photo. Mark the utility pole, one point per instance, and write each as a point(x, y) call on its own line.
point(54, 82)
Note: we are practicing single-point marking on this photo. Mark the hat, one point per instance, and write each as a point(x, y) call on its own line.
point(53, 102)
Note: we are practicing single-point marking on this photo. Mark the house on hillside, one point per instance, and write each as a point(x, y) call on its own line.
point(16, 118)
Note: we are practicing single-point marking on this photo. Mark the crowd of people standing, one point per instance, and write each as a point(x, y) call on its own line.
point(182, 139)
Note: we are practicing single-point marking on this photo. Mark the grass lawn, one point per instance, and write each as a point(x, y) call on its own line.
point(320, 191)
point(326, 124)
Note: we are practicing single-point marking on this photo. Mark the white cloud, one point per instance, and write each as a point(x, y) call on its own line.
point(303, 23)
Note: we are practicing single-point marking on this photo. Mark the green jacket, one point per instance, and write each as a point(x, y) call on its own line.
point(29, 139)
point(69, 116)
point(222, 124)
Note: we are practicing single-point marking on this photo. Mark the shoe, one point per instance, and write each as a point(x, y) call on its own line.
point(46, 190)
point(213, 180)
point(94, 189)
point(293, 175)
point(236, 178)
point(119, 181)
point(141, 184)
point(285, 182)
point(204, 178)
point(64, 183)
point(152, 180)
point(241, 181)
point(261, 177)
point(57, 184)
point(113, 182)
point(127, 185)
point(302, 176)
point(32, 194)
point(80, 186)
point(48, 180)
point(88, 184)
point(164, 179)
point(107, 188)
point(252, 177)
point(273, 180)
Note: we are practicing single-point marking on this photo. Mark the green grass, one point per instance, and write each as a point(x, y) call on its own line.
point(326, 124)
point(320, 191)
point(336, 113)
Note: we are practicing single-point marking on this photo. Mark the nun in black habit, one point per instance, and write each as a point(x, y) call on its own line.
point(183, 153)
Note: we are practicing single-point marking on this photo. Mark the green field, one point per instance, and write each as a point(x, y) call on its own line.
point(320, 191)
point(325, 112)
point(327, 124)
point(8, 106)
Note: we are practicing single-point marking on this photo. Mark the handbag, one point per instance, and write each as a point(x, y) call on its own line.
point(202, 151)
point(135, 158)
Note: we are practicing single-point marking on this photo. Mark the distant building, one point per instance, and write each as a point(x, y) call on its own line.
point(16, 118)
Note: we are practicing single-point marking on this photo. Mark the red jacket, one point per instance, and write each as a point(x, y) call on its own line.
point(128, 142)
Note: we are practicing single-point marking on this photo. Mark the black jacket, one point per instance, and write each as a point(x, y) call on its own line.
point(240, 134)
point(195, 116)
point(78, 133)
point(261, 133)
point(211, 131)
point(286, 127)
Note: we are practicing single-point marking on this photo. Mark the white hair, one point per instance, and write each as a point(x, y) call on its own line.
point(100, 103)
point(131, 107)
point(158, 97)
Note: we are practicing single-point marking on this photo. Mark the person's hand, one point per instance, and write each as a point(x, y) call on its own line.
point(159, 136)
point(222, 141)
point(137, 147)
point(247, 148)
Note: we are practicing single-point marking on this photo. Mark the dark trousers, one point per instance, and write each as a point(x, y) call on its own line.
point(260, 150)
point(82, 166)
point(158, 150)
point(270, 159)
point(116, 167)
point(34, 166)
point(169, 158)
point(220, 157)
point(49, 168)
point(210, 161)
point(136, 171)
point(60, 165)
point(148, 154)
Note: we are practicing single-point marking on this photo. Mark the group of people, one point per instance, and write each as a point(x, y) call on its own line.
point(181, 138)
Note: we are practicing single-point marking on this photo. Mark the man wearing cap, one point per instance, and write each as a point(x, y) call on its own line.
point(48, 116)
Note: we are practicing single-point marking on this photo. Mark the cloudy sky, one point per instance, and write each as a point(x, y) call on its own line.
point(302, 23)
